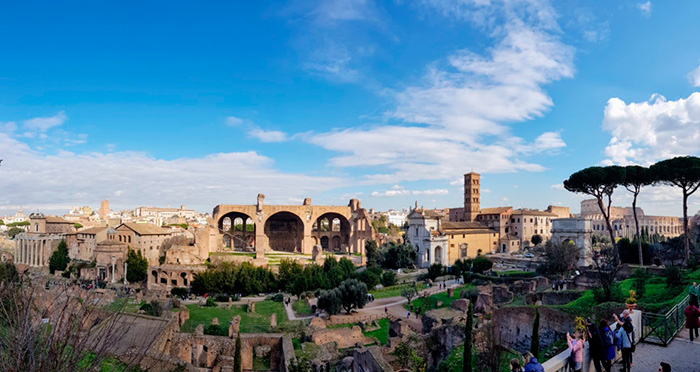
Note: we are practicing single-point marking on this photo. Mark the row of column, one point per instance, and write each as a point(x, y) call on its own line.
point(32, 252)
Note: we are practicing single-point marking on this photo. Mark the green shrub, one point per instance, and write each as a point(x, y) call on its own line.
point(674, 276)
point(210, 302)
point(435, 270)
point(639, 282)
point(279, 297)
point(215, 330)
point(388, 278)
point(616, 294)
point(154, 308)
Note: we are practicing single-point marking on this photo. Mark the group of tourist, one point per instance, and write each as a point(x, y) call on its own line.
point(603, 340)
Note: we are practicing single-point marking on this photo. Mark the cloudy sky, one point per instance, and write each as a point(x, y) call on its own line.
point(169, 103)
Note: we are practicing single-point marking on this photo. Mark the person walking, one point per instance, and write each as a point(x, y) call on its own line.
point(386, 310)
point(595, 347)
point(408, 314)
point(576, 347)
point(607, 341)
point(692, 319)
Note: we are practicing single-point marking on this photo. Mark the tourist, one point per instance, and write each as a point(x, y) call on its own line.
point(693, 291)
point(692, 318)
point(625, 337)
point(576, 348)
point(531, 363)
point(595, 346)
point(607, 340)
point(386, 310)
point(515, 365)
point(664, 367)
point(408, 314)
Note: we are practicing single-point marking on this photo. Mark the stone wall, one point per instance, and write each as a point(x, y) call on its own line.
point(369, 359)
point(558, 297)
point(513, 326)
point(343, 337)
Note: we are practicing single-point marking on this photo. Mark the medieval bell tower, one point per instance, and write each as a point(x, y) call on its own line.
point(471, 196)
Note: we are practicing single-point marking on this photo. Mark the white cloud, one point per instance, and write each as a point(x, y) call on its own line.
point(398, 190)
point(233, 121)
point(558, 186)
point(645, 132)
point(43, 124)
point(694, 77)
point(268, 135)
point(645, 8)
point(456, 118)
point(8, 127)
point(39, 181)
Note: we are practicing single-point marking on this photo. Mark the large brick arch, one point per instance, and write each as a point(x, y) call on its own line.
point(354, 221)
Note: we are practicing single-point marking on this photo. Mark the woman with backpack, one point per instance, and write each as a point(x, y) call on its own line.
point(576, 348)
point(692, 321)
point(607, 341)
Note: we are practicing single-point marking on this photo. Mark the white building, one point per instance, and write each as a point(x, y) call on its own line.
point(396, 218)
point(424, 235)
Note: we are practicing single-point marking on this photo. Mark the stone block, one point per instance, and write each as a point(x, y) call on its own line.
point(251, 306)
point(501, 294)
point(215, 321)
point(273, 320)
point(521, 287)
point(461, 304)
point(235, 326)
point(317, 322)
point(199, 330)
point(484, 301)
point(450, 292)
point(542, 282)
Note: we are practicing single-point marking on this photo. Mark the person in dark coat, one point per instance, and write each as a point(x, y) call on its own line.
point(595, 348)
point(692, 319)
point(607, 345)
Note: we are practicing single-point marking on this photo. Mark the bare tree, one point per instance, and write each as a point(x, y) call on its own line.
point(607, 267)
point(60, 329)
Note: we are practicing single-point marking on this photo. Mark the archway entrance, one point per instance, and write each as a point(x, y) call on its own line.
point(438, 254)
point(333, 231)
point(238, 230)
point(284, 231)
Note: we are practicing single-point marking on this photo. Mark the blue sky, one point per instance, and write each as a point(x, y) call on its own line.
point(388, 101)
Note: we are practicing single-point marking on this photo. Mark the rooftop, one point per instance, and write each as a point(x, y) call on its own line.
point(146, 229)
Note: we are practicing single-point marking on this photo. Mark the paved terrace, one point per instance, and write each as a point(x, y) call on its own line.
point(681, 354)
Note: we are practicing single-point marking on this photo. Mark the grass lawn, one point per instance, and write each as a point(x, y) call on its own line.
point(250, 323)
point(300, 307)
point(394, 290)
point(128, 307)
point(432, 300)
point(382, 334)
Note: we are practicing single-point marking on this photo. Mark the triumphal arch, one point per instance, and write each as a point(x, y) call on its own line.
point(293, 228)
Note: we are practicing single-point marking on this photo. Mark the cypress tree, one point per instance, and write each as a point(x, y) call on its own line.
point(59, 259)
point(237, 355)
point(468, 338)
point(535, 343)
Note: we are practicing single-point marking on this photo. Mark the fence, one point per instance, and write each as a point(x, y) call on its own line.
point(661, 328)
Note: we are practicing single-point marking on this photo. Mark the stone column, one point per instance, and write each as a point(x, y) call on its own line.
point(112, 269)
point(42, 247)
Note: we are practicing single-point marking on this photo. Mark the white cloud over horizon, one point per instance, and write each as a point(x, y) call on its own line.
point(694, 77)
point(645, 8)
point(37, 180)
point(398, 190)
point(646, 132)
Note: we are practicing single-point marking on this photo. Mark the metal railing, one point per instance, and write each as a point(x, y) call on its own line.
point(661, 328)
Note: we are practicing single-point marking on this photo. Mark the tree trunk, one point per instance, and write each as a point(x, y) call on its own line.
point(606, 216)
point(636, 226)
point(685, 227)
